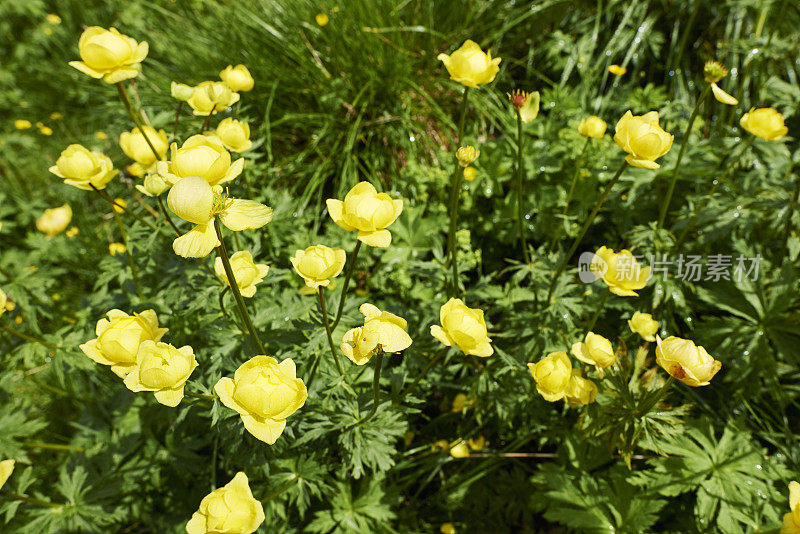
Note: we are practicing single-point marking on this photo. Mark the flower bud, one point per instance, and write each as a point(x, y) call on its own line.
point(229, 509)
point(765, 123)
point(714, 71)
point(238, 78)
point(209, 97)
point(84, 169)
point(687, 362)
point(643, 139)
point(580, 391)
point(109, 54)
point(54, 220)
point(6, 468)
point(466, 155)
point(162, 369)
point(470, 173)
point(181, 91)
point(617, 70)
point(246, 272)
point(22, 124)
point(369, 212)
point(318, 264)
point(595, 350)
point(192, 200)
point(234, 134)
point(135, 146)
point(592, 127)
point(470, 66)
point(552, 375)
point(464, 327)
point(154, 185)
point(644, 325)
point(200, 155)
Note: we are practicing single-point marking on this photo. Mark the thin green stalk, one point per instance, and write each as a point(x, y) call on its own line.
point(198, 395)
point(584, 229)
point(226, 262)
point(129, 254)
point(458, 174)
point(351, 262)
point(597, 312)
point(686, 138)
point(177, 116)
point(222, 302)
point(113, 203)
point(376, 388)
point(30, 500)
point(710, 194)
point(687, 30)
point(578, 166)
point(787, 229)
point(123, 95)
point(313, 372)
point(520, 173)
point(328, 330)
point(52, 446)
point(166, 215)
point(28, 338)
point(280, 490)
point(424, 372)
point(205, 122)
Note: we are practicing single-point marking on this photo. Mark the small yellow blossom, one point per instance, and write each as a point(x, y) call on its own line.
point(464, 327)
point(620, 271)
point(117, 248)
point(466, 155)
point(120, 204)
point(643, 139)
point(54, 220)
point(382, 331)
point(162, 369)
point(459, 450)
point(209, 97)
point(552, 375)
point(72, 232)
point(617, 70)
point(369, 212)
point(687, 362)
point(53, 19)
point(22, 124)
point(246, 272)
point(238, 78)
point(592, 127)
point(595, 350)
point(765, 123)
point(322, 19)
point(470, 173)
point(45, 130)
point(644, 325)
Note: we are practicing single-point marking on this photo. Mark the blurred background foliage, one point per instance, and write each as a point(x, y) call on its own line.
point(364, 97)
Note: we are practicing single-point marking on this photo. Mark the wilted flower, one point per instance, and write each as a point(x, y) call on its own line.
point(687, 362)
point(234, 134)
point(54, 220)
point(620, 271)
point(238, 78)
point(162, 369)
point(109, 54)
point(714, 71)
point(464, 327)
point(209, 97)
point(526, 103)
point(246, 272)
point(552, 375)
point(200, 155)
point(382, 331)
point(592, 127)
point(470, 66)
point(644, 325)
point(369, 212)
point(229, 510)
point(466, 155)
point(84, 169)
point(643, 139)
point(135, 146)
point(765, 123)
point(318, 264)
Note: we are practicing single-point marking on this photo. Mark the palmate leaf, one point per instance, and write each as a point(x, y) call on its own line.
point(357, 507)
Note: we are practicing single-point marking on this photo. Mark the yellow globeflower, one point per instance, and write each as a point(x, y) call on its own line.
point(791, 520)
point(45, 130)
point(6, 468)
point(620, 271)
point(194, 201)
point(644, 325)
point(464, 327)
point(119, 337)
point(369, 212)
point(460, 450)
point(765, 123)
point(209, 97)
point(264, 392)
point(470, 66)
point(54, 220)
point(117, 248)
point(154, 185)
point(109, 54)
point(552, 375)
point(466, 155)
point(22, 124)
point(162, 369)
point(119, 205)
point(181, 91)
point(200, 155)
point(72, 232)
point(617, 70)
point(84, 169)
point(230, 510)
point(234, 134)
point(246, 272)
point(322, 19)
point(53, 19)
point(238, 78)
point(318, 264)
point(470, 173)
point(476, 444)
point(687, 362)
point(643, 139)
point(595, 350)
point(382, 331)
point(580, 390)
point(135, 146)
point(592, 127)
point(3, 302)
point(447, 528)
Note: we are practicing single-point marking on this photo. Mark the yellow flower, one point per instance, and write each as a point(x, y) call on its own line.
point(620, 271)
point(102, 136)
point(117, 248)
point(246, 272)
point(526, 103)
point(592, 127)
point(369, 212)
point(447, 528)
point(238, 78)
point(119, 205)
point(318, 264)
point(181, 91)
point(22, 124)
point(552, 375)
point(459, 402)
point(791, 520)
point(200, 155)
point(84, 169)
point(382, 331)
point(687, 362)
point(154, 185)
point(463, 327)
point(617, 70)
point(3, 302)
point(72, 232)
point(119, 337)
point(580, 391)
point(53, 19)
point(470, 66)
point(477, 444)
point(45, 130)
point(109, 54)
point(264, 392)
point(6, 468)
point(234, 134)
point(765, 123)
point(135, 146)
point(595, 350)
point(54, 220)
point(18, 319)
point(162, 369)
point(194, 201)
point(56, 116)
point(722, 96)
point(643, 139)
point(644, 325)
point(466, 155)
point(322, 19)
point(459, 450)
point(470, 173)
point(230, 509)
point(440, 445)
point(208, 97)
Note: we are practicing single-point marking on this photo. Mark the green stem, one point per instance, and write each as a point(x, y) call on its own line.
point(458, 174)
point(376, 388)
point(702, 204)
point(687, 30)
point(113, 203)
point(28, 338)
point(30, 500)
point(166, 215)
point(177, 116)
point(198, 395)
point(597, 312)
point(787, 229)
point(52, 446)
point(351, 262)
point(585, 227)
point(222, 302)
point(328, 329)
point(129, 254)
point(655, 398)
point(424, 372)
point(205, 122)
point(226, 262)
point(123, 95)
point(520, 173)
point(280, 490)
point(686, 138)
point(571, 191)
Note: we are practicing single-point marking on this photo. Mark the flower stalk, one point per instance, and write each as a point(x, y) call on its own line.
point(376, 388)
point(28, 338)
point(351, 262)
point(454, 195)
point(126, 101)
point(129, 254)
point(431, 365)
point(578, 167)
point(328, 330)
point(520, 175)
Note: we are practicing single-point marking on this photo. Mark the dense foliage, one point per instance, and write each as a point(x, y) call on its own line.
point(359, 95)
